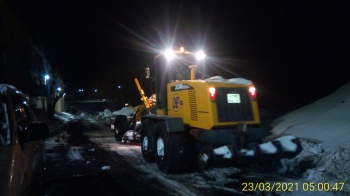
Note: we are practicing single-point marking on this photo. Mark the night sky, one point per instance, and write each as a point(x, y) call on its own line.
point(295, 52)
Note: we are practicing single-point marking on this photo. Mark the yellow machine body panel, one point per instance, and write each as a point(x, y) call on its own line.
point(230, 105)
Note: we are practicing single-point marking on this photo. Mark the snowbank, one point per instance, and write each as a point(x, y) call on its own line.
point(324, 129)
point(127, 111)
point(65, 117)
point(325, 121)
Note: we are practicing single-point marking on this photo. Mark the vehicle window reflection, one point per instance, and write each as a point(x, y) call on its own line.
point(5, 136)
point(24, 115)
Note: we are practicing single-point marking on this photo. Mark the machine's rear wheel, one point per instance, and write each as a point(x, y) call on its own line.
point(120, 127)
point(147, 140)
point(169, 150)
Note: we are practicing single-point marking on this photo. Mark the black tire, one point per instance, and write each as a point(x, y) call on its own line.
point(147, 140)
point(120, 126)
point(169, 150)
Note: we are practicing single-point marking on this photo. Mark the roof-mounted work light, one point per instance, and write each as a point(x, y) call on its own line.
point(169, 54)
point(200, 55)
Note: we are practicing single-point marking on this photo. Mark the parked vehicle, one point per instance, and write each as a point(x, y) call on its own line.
point(21, 149)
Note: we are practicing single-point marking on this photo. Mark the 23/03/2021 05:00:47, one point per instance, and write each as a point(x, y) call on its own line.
point(292, 186)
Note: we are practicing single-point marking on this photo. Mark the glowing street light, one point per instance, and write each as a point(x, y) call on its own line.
point(46, 78)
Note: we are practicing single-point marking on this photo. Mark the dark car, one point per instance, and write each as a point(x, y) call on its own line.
point(21, 145)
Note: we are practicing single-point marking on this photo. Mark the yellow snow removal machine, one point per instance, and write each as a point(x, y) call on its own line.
point(200, 120)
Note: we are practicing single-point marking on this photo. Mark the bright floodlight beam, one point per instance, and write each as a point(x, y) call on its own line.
point(200, 55)
point(169, 54)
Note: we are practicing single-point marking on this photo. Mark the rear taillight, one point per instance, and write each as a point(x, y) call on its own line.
point(212, 93)
point(252, 92)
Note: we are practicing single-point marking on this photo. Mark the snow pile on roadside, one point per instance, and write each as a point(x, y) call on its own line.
point(323, 127)
point(65, 117)
point(127, 111)
point(326, 120)
point(333, 163)
point(320, 164)
point(106, 114)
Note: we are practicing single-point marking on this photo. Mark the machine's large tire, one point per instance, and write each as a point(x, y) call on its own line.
point(169, 150)
point(148, 141)
point(120, 126)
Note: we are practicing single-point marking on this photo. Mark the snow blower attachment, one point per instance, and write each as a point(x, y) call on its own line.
point(201, 120)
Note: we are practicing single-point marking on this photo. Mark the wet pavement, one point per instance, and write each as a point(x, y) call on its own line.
point(77, 165)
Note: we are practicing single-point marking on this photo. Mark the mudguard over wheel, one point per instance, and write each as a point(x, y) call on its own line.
point(120, 126)
point(148, 140)
point(169, 150)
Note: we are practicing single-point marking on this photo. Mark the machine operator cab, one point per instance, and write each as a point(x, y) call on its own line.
point(174, 65)
point(178, 65)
